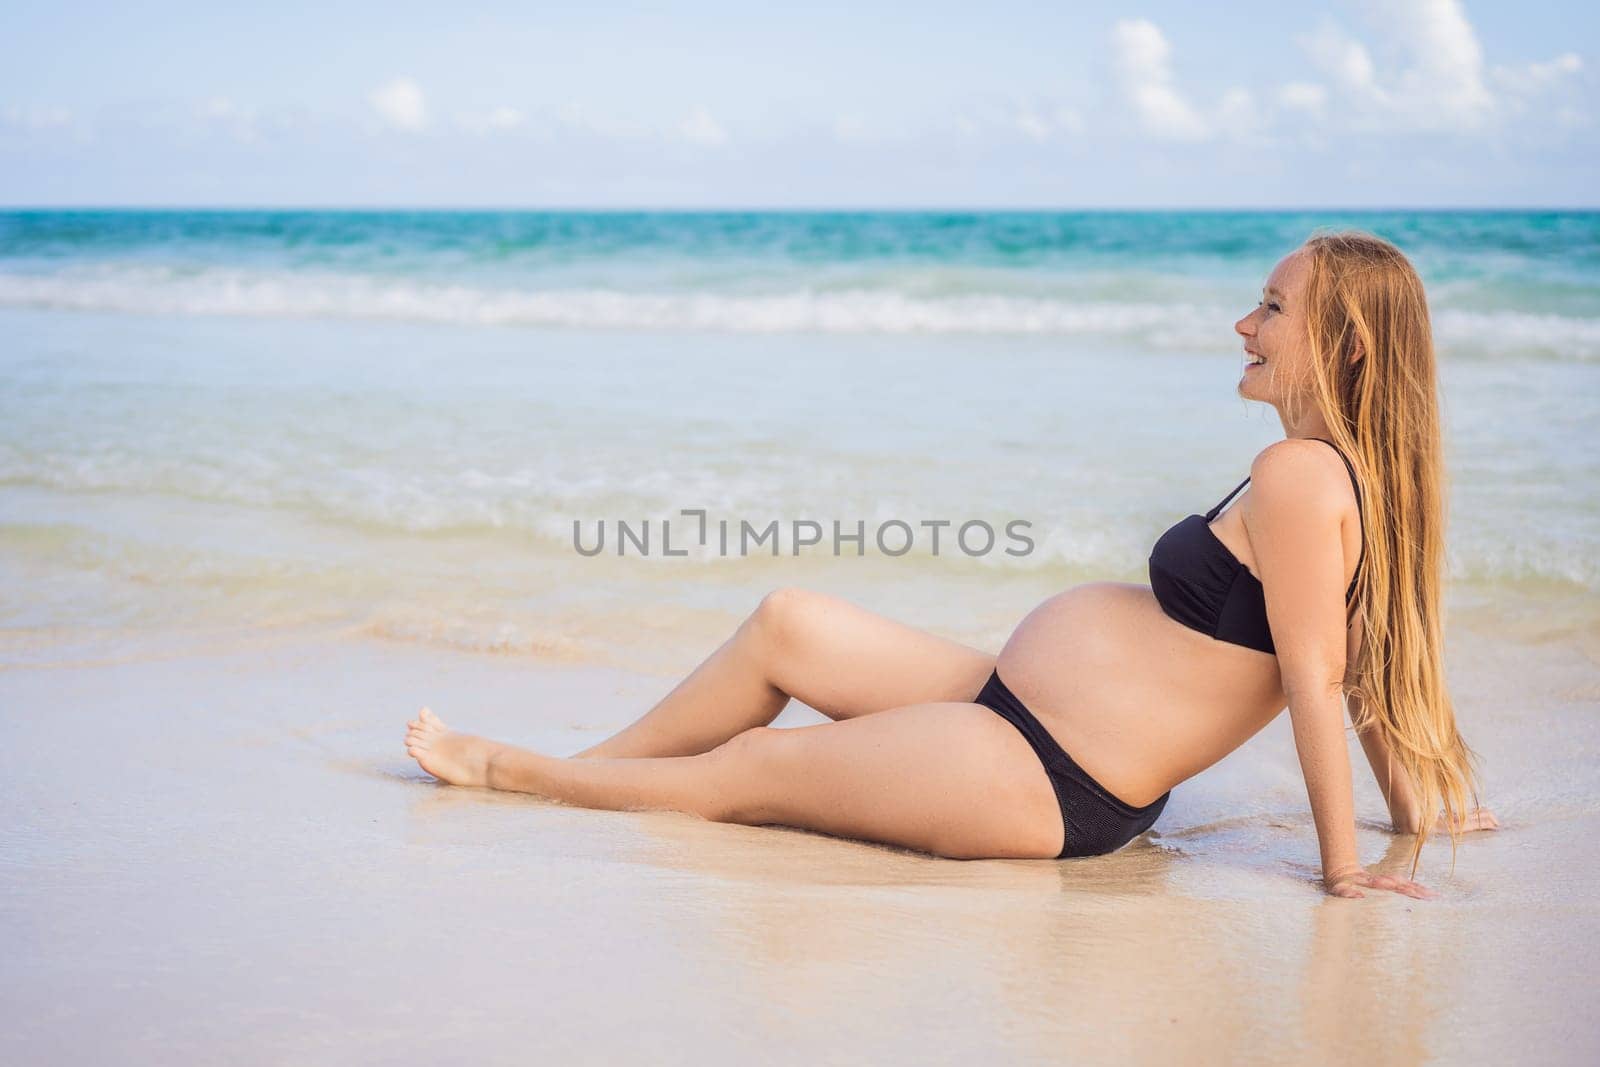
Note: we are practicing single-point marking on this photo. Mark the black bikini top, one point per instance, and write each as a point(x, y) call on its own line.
point(1200, 583)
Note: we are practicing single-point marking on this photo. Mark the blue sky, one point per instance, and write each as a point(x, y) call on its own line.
point(1350, 104)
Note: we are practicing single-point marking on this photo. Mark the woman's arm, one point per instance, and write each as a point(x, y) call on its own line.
point(1392, 779)
point(1318, 722)
point(1294, 515)
point(1404, 811)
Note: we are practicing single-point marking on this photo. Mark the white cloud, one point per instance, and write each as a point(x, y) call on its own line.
point(701, 128)
point(1446, 77)
point(1534, 77)
point(1033, 126)
point(219, 112)
point(37, 118)
point(1302, 96)
point(1144, 72)
point(1237, 113)
point(494, 120)
point(503, 118)
point(1343, 58)
point(1043, 123)
point(1039, 120)
point(576, 116)
point(1439, 81)
point(217, 107)
point(1571, 118)
point(401, 104)
point(1143, 62)
point(1069, 120)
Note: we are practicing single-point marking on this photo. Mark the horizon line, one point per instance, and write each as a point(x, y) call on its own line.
point(442, 208)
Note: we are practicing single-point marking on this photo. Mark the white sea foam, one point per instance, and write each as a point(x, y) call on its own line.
point(537, 524)
point(880, 309)
point(233, 292)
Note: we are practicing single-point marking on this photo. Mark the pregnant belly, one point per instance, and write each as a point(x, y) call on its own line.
point(1139, 700)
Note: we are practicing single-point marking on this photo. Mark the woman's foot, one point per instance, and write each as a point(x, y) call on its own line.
point(460, 759)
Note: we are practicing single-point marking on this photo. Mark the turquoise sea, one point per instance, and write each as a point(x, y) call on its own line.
point(220, 424)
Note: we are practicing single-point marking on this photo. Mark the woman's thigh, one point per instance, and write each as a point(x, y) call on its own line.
point(953, 779)
point(846, 661)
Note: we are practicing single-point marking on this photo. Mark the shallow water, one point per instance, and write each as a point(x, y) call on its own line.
point(425, 482)
point(235, 419)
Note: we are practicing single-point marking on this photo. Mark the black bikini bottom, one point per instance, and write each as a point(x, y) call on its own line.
point(1095, 821)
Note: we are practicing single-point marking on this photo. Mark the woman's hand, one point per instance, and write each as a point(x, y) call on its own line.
point(1476, 819)
point(1350, 883)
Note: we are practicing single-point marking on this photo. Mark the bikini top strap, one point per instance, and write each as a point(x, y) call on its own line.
point(1224, 502)
point(1362, 555)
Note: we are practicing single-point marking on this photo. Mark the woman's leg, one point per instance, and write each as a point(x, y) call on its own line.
point(822, 650)
point(949, 778)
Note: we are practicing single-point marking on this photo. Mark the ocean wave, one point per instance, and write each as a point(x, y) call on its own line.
point(513, 533)
point(286, 295)
point(878, 309)
point(1512, 332)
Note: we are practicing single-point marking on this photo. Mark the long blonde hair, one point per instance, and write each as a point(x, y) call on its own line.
point(1382, 411)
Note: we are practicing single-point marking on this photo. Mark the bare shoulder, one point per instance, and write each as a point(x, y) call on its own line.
point(1301, 475)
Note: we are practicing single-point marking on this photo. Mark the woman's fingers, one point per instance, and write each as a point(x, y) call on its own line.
point(1350, 885)
point(1476, 819)
point(1401, 885)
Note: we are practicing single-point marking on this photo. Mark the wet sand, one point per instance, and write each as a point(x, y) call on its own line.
point(227, 854)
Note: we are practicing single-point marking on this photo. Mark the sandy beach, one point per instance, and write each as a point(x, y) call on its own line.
point(226, 854)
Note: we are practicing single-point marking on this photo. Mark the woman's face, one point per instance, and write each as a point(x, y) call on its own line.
point(1276, 348)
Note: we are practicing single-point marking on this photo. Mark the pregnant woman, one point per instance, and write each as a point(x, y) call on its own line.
point(1319, 588)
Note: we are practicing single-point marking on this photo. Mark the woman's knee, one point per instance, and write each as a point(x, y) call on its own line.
point(784, 614)
point(744, 768)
